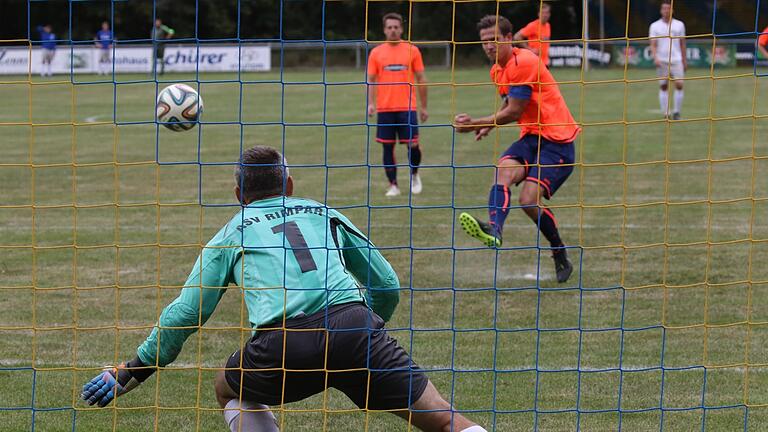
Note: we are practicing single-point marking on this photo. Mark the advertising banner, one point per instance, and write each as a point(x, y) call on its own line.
point(572, 55)
point(14, 60)
point(698, 55)
point(18, 60)
point(189, 58)
point(745, 55)
point(217, 59)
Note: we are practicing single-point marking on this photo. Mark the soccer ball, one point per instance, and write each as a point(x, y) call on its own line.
point(178, 107)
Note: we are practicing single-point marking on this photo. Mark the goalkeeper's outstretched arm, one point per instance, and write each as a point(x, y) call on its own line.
point(180, 319)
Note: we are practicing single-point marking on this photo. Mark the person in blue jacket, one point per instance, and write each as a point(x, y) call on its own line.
point(48, 45)
point(104, 39)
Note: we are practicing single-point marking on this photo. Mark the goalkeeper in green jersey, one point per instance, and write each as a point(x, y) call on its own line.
point(159, 34)
point(301, 267)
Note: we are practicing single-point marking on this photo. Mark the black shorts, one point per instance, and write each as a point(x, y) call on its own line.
point(362, 361)
point(547, 163)
point(394, 126)
point(158, 51)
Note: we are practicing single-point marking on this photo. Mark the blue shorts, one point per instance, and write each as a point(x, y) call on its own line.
point(549, 167)
point(394, 126)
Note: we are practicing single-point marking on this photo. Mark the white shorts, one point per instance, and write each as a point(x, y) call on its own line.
point(104, 57)
point(667, 71)
point(48, 55)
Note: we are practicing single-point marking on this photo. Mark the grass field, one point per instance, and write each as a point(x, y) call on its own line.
point(663, 325)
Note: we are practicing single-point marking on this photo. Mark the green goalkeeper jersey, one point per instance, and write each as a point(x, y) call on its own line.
point(161, 33)
point(290, 257)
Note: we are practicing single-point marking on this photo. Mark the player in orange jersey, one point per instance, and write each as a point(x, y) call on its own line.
point(542, 159)
point(392, 68)
point(537, 32)
point(762, 43)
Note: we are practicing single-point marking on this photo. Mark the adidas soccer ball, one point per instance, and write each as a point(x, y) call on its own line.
point(178, 107)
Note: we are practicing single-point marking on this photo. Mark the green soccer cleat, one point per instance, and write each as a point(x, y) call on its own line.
point(480, 230)
point(563, 267)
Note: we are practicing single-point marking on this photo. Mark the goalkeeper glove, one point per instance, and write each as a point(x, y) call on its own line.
point(115, 381)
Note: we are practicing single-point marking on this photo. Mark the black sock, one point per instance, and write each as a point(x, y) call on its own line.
point(498, 206)
point(548, 227)
point(389, 163)
point(414, 157)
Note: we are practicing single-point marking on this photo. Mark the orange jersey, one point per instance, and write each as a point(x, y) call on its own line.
point(763, 39)
point(537, 33)
point(546, 114)
point(394, 67)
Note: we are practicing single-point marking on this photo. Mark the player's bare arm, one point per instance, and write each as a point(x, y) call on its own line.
point(656, 60)
point(509, 112)
point(684, 56)
point(371, 95)
point(421, 80)
point(523, 41)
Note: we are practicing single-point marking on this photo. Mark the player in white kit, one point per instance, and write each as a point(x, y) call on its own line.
point(667, 37)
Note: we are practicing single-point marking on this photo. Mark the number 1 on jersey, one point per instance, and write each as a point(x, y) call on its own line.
point(298, 245)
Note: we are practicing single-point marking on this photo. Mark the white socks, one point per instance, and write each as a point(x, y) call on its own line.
point(678, 100)
point(664, 101)
point(474, 428)
point(241, 417)
point(47, 70)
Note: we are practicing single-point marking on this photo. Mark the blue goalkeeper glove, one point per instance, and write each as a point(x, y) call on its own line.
point(112, 382)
